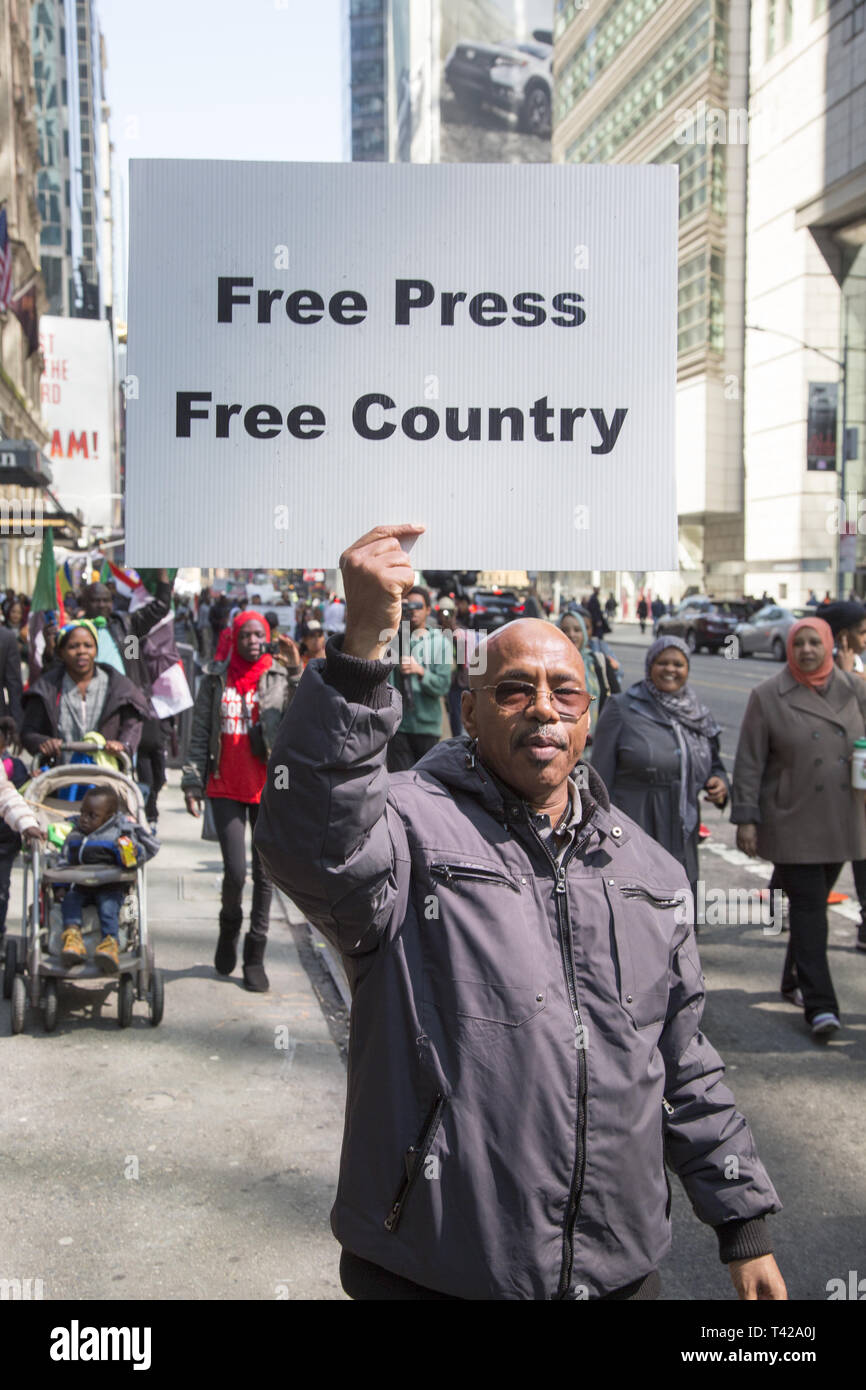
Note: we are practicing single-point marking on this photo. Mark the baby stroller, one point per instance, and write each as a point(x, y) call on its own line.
point(33, 968)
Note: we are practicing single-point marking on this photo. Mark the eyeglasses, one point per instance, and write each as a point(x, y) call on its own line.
point(569, 701)
point(413, 607)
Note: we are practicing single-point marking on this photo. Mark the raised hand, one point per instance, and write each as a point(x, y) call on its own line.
point(377, 573)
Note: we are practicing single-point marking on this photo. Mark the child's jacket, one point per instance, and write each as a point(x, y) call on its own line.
point(121, 841)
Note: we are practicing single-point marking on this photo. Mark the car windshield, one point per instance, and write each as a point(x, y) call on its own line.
point(536, 50)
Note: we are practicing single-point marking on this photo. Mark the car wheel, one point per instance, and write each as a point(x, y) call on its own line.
point(535, 112)
point(778, 649)
point(692, 641)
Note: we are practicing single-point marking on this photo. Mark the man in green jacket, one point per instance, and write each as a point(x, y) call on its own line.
point(422, 677)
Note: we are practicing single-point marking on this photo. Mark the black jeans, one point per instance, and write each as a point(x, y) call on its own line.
point(150, 764)
point(806, 965)
point(859, 868)
point(404, 750)
point(230, 818)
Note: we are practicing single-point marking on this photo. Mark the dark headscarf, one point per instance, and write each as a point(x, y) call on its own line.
point(693, 725)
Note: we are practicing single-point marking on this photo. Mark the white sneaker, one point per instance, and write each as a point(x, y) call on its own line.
point(822, 1024)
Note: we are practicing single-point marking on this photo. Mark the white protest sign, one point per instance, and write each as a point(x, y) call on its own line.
point(316, 348)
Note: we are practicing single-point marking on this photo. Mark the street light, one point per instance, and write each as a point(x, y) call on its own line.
point(843, 368)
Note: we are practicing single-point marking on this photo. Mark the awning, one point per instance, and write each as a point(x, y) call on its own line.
point(22, 462)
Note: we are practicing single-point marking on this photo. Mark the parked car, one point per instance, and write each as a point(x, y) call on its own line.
point(767, 630)
point(703, 622)
point(516, 77)
point(499, 604)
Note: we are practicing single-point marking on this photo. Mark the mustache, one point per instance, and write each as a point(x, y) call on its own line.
point(552, 732)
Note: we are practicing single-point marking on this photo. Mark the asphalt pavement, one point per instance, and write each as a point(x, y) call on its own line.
point(199, 1159)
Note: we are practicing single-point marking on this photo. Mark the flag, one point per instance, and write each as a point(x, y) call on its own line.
point(24, 306)
point(45, 588)
point(5, 263)
point(47, 597)
point(129, 584)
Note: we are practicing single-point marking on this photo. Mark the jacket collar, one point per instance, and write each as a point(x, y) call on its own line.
point(827, 706)
point(454, 763)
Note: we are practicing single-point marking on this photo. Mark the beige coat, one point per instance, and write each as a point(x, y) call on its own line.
point(792, 774)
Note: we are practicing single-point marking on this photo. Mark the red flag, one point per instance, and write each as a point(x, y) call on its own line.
point(24, 307)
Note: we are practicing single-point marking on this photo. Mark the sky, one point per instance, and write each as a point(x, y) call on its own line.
point(224, 79)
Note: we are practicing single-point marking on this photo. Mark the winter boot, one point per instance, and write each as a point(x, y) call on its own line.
point(226, 954)
point(254, 969)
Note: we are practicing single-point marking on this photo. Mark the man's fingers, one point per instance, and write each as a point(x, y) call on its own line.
point(405, 529)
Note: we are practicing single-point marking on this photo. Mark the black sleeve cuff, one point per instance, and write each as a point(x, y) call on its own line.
point(745, 1239)
point(359, 682)
point(743, 814)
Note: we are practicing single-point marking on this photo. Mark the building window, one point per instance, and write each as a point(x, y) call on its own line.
point(367, 36)
point(700, 303)
point(616, 26)
point(771, 28)
point(788, 21)
point(368, 72)
point(366, 7)
point(687, 51)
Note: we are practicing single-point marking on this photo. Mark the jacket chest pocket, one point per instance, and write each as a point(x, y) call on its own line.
point(479, 961)
point(644, 918)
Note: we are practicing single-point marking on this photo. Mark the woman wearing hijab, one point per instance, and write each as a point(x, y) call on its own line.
point(793, 802)
point(79, 695)
point(238, 709)
point(574, 627)
point(656, 748)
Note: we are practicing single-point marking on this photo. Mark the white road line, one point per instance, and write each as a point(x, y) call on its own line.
point(849, 909)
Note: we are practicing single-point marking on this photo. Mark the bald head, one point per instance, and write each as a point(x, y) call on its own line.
point(97, 601)
point(520, 640)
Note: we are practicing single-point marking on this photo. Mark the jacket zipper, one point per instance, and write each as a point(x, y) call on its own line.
point(451, 873)
point(414, 1160)
point(634, 890)
point(579, 1170)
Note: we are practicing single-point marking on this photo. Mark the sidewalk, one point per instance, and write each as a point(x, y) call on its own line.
point(195, 1160)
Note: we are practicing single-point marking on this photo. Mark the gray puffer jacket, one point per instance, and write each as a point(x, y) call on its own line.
point(525, 1046)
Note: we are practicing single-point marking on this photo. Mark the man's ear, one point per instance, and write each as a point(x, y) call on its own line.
point(467, 712)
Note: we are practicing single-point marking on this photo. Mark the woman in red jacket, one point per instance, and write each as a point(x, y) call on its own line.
point(238, 709)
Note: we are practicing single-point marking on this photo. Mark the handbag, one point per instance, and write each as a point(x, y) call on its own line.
point(255, 733)
point(208, 824)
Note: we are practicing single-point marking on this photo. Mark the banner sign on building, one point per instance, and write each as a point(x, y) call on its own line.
point(821, 425)
point(496, 83)
point(487, 349)
point(78, 411)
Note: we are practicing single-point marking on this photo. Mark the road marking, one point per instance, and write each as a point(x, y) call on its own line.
point(849, 909)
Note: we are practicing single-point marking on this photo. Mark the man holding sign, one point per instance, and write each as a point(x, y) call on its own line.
point(525, 1049)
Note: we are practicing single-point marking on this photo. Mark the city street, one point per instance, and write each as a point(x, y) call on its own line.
point(199, 1159)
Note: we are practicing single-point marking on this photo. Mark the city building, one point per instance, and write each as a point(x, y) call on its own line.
point(27, 503)
point(666, 82)
point(805, 297)
point(74, 154)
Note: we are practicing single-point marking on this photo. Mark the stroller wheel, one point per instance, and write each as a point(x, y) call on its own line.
point(125, 999)
point(49, 1006)
point(19, 1004)
point(155, 997)
point(10, 967)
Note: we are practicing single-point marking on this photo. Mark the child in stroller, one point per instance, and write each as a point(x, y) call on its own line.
point(102, 833)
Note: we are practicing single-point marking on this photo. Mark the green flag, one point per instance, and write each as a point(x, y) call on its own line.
point(45, 589)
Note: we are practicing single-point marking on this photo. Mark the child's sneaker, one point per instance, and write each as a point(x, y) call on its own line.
point(106, 955)
point(73, 950)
